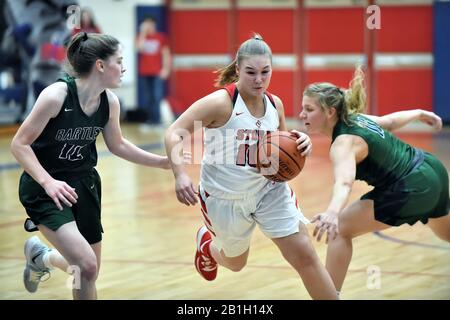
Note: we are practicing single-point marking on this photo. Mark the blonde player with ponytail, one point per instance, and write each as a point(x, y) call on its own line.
point(409, 184)
point(234, 196)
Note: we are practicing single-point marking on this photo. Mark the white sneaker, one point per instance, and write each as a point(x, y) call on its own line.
point(35, 270)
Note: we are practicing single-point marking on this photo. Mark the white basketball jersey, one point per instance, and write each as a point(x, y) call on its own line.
point(229, 160)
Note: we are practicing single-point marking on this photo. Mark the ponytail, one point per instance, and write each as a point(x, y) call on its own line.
point(227, 75)
point(355, 96)
point(346, 102)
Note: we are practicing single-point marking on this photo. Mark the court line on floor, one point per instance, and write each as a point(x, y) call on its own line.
point(251, 266)
point(377, 233)
point(412, 243)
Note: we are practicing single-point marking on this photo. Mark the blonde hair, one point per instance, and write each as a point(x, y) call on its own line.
point(346, 102)
point(251, 47)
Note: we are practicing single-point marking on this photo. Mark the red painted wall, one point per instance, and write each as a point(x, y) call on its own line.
point(281, 85)
point(275, 26)
point(191, 85)
point(404, 29)
point(404, 89)
point(337, 30)
point(199, 31)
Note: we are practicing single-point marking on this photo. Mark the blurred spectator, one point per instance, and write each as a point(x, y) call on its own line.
point(154, 67)
point(36, 33)
point(87, 23)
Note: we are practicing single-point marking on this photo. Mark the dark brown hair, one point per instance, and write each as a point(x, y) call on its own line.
point(84, 49)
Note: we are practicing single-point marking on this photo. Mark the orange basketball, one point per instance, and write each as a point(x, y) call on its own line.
point(278, 157)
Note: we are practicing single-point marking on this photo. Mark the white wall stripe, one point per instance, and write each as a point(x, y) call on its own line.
point(320, 61)
point(313, 61)
point(267, 4)
point(403, 60)
point(328, 4)
point(403, 2)
point(200, 4)
point(280, 4)
point(187, 61)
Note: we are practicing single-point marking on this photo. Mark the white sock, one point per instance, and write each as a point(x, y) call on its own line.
point(46, 259)
point(338, 294)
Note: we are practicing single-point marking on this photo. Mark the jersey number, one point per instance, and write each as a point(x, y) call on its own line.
point(246, 155)
point(370, 125)
point(71, 152)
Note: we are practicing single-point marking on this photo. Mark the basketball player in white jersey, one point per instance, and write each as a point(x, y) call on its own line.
point(234, 195)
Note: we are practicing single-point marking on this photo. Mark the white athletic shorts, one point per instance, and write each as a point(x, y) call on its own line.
point(232, 221)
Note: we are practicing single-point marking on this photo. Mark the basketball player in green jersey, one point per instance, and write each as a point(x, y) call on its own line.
point(60, 189)
point(410, 185)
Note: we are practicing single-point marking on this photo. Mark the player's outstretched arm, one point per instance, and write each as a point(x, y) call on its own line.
point(343, 154)
point(123, 148)
point(396, 120)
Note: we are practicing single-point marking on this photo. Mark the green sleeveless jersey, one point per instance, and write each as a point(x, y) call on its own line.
point(66, 146)
point(389, 158)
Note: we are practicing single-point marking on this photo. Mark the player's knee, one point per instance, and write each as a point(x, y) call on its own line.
point(303, 256)
point(89, 270)
point(307, 257)
point(345, 234)
point(345, 229)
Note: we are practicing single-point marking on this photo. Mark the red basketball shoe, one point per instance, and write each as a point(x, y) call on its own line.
point(204, 262)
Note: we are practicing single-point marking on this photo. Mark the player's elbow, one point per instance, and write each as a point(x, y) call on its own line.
point(174, 135)
point(115, 147)
point(388, 123)
point(14, 146)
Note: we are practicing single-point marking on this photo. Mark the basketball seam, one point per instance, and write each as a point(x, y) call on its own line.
point(287, 155)
point(279, 174)
point(267, 141)
point(290, 138)
point(282, 136)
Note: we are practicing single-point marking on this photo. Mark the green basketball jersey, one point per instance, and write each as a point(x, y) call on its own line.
point(66, 146)
point(389, 158)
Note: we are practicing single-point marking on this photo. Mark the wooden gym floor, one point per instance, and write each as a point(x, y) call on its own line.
point(149, 239)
